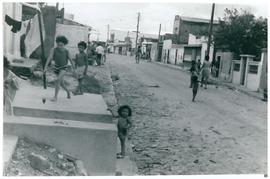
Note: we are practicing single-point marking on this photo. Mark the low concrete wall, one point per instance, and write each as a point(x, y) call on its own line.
point(93, 143)
point(87, 107)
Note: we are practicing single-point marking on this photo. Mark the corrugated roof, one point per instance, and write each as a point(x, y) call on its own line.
point(199, 20)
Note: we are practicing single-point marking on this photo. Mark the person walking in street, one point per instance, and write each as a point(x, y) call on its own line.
point(138, 54)
point(205, 71)
point(123, 124)
point(60, 56)
point(194, 83)
point(100, 52)
point(81, 64)
point(199, 64)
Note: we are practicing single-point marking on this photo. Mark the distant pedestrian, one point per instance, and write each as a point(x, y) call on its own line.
point(81, 64)
point(205, 71)
point(194, 83)
point(138, 54)
point(199, 64)
point(100, 53)
point(60, 56)
point(123, 124)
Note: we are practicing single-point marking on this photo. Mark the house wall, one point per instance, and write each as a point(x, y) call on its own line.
point(253, 80)
point(11, 40)
point(49, 14)
point(74, 34)
point(225, 67)
point(194, 28)
point(263, 79)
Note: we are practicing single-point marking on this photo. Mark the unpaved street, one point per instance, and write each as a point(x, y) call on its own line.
point(224, 132)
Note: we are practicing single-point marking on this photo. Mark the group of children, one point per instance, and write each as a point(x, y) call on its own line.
point(196, 70)
point(60, 56)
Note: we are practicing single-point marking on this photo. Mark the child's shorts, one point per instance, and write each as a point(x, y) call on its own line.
point(80, 71)
point(58, 69)
point(122, 133)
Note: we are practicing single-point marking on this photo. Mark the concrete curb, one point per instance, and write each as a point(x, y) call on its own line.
point(230, 86)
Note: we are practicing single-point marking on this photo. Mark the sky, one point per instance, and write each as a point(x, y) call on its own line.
point(123, 16)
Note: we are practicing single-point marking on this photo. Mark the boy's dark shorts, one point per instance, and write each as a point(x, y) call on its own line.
point(58, 69)
point(122, 133)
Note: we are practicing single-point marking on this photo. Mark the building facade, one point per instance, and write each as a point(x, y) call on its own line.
point(183, 26)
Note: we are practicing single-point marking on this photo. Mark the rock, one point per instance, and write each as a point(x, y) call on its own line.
point(80, 168)
point(185, 130)
point(60, 156)
point(52, 150)
point(196, 161)
point(69, 166)
point(38, 74)
point(38, 162)
point(212, 161)
point(115, 77)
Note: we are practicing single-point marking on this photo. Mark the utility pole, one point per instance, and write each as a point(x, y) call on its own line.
point(108, 33)
point(138, 20)
point(158, 41)
point(210, 30)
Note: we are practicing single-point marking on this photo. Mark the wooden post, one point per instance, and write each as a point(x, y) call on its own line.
point(42, 49)
point(210, 30)
point(138, 20)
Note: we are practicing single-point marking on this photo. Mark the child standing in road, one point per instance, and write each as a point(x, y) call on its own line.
point(60, 56)
point(81, 64)
point(123, 124)
point(194, 84)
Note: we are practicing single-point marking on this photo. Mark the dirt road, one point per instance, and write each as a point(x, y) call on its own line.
point(224, 132)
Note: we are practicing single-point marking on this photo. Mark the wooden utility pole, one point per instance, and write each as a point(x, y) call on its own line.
point(108, 33)
point(42, 48)
point(158, 41)
point(138, 20)
point(210, 30)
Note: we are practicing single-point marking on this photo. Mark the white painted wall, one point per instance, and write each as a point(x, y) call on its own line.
point(236, 74)
point(253, 80)
point(74, 34)
point(11, 40)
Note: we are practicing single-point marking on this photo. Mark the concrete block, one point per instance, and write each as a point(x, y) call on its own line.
point(88, 107)
point(93, 143)
point(9, 146)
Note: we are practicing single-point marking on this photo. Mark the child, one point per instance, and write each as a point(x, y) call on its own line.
point(10, 87)
point(124, 123)
point(81, 63)
point(205, 71)
point(60, 56)
point(194, 84)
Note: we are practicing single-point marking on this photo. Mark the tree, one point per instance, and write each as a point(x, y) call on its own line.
point(242, 33)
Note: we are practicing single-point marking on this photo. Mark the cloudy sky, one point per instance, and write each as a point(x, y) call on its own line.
point(123, 16)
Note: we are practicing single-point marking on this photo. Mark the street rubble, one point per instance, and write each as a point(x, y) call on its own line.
point(35, 159)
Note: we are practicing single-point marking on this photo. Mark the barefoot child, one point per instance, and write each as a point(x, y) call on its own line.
point(81, 64)
point(124, 123)
point(60, 56)
point(194, 84)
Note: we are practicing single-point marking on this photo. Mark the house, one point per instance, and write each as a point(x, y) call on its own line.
point(120, 36)
point(185, 53)
point(183, 26)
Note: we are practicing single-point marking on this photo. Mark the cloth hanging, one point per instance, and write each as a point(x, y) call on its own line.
point(32, 39)
point(16, 25)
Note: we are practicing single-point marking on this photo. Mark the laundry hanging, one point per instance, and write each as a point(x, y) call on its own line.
point(16, 25)
point(32, 39)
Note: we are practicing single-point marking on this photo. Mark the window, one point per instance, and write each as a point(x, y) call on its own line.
point(236, 67)
point(253, 69)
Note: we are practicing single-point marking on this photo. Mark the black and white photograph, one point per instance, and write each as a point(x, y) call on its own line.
point(135, 88)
